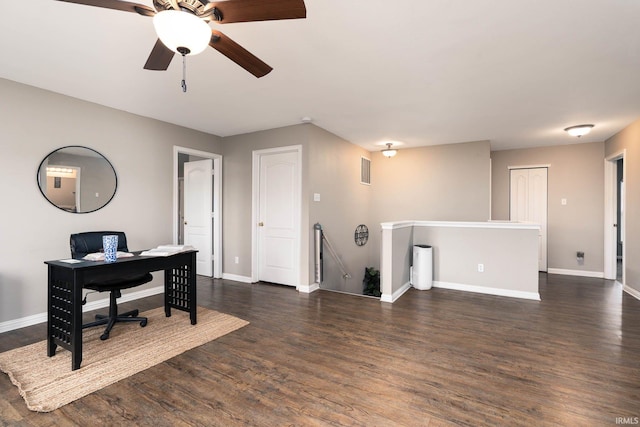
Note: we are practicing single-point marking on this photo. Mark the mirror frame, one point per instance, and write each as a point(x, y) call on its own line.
point(43, 192)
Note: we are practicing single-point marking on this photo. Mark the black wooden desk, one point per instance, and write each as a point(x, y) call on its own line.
point(64, 320)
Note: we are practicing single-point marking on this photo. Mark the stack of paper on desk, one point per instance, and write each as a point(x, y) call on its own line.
point(99, 256)
point(166, 250)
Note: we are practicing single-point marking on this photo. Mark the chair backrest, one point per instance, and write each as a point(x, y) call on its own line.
point(91, 241)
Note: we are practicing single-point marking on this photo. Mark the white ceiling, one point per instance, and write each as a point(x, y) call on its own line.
point(424, 72)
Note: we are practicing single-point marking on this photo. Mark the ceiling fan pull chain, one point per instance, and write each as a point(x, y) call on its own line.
point(184, 73)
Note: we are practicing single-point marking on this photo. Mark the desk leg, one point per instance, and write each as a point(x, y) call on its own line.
point(180, 289)
point(193, 303)
point(51, 347)
point(64, 313)
point(76, 326)
point(51, 343)
point(168, 286)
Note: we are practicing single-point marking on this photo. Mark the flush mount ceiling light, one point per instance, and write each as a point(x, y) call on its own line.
point(579, 130)
point(389, 152)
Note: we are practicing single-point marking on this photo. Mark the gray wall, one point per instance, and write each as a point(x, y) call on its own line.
point(509, 256)
point(575, 173)
point(437, 183)
point(34, 122)
point(334, 173)
point(237, 192)
point(508, 252)
point(629, 139)
point(331, 167)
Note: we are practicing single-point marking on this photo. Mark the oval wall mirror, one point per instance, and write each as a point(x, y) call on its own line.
point(77, 179)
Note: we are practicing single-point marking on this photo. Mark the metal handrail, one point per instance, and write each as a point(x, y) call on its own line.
point(321, 238)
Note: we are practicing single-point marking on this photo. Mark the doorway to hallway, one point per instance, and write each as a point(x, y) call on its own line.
point(614, 217)
point(197, 206)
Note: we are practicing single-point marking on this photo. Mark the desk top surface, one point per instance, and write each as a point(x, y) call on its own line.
point(135, 258)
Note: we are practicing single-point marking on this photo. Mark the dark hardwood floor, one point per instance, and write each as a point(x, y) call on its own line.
point(437, 357)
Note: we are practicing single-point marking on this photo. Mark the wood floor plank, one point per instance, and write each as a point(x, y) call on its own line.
point(433, 358)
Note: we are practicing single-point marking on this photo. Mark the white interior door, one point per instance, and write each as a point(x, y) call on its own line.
point(198, 206)
point(528, 202)
point(278, 228)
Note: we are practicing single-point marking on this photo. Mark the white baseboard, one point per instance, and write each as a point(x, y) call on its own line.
point(307, 289)
point(397, 294)
point(581, 273)
point(22, 322)
point(236, 278)
point(489, 291)
point(34, 319)
point(631, 291)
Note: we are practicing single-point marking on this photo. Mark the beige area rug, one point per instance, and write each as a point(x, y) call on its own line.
point(47, 383)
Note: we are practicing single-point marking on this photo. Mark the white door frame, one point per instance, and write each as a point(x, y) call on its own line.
point(610, 216)
point(255, 195)
point(217, 202)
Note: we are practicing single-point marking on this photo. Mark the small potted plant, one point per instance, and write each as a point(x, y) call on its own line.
point(371, 282)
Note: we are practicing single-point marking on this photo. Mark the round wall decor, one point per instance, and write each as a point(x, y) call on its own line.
point(361, 235)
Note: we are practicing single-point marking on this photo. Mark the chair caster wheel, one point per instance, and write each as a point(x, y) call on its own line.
point(143, 323)
point(104, 337)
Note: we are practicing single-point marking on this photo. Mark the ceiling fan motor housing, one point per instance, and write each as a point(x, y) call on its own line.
point(197, 7)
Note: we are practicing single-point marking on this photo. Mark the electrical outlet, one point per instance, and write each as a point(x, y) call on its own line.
point(237, 260)
point(480, 268)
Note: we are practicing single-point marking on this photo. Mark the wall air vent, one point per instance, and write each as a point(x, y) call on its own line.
point(365, 171)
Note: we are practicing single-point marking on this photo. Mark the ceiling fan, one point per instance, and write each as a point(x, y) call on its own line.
point(195, 16)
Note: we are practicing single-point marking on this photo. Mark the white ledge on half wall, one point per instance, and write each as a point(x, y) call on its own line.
point(461, 224)
point(493, 257)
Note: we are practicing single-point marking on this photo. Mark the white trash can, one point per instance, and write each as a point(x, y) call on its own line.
point(422, 270)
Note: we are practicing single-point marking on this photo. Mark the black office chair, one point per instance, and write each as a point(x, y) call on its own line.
point(90, 242)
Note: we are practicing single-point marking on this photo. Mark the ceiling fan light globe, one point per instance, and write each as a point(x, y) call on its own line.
point(178, 29)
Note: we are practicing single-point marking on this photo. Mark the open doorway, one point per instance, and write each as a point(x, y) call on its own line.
point(62, 187)
point(619, 215)
point(614, 220)
point(209, 262)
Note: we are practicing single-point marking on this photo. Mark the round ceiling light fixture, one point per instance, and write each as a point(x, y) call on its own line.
point(389, 152)
point(182, 32)
point(579, 130)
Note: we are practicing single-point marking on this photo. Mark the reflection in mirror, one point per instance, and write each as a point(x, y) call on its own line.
point(77, 179)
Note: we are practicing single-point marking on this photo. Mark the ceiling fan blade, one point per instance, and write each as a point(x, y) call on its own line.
point(238, 54)
point(116, 5)
point(160, 57)
point(258, 10)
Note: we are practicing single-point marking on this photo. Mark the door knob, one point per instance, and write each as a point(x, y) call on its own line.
point(185, 223)
point(261, 224)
